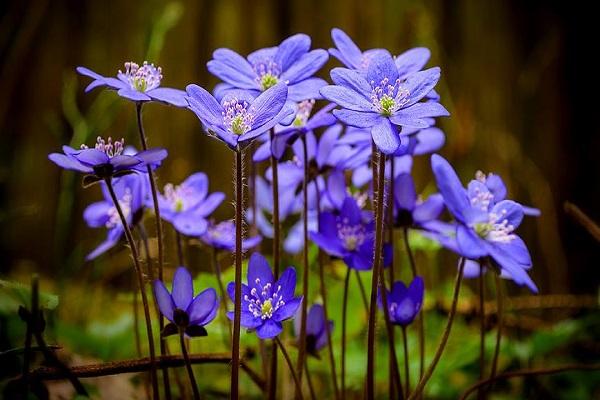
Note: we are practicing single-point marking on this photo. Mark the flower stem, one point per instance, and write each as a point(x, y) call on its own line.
point(272, 381)
point(445, 335)
point(188, 366)
point(310, 384)
point(222, 292)
point(379, 216)
point(304, 309)
point(406, 365)
point(500, 309)
point(361, 288)
point(179, 242)
point(159, 235)
point(291, 367)
point(239, 208)
point(420, 318)
point(481, 330)
point(344, 313)
point(396, 384)
point(140, 278)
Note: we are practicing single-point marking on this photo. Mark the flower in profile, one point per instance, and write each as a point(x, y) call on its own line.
point(346, 235)
point(106, 160)
point(187, 205)
point(404, 303)
point(182, 309)
point(292, 63)
point(137, 83)
point(131, 192)
point(221, 236)
point(316, 329)
point(382, 101)
point(483, 228)
point(266, 303)
point(410, 210)
point(239, 117)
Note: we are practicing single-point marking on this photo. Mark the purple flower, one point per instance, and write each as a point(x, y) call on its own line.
point(410, 211)
point(221, 236)
point(137, 83)
point(266, 302)
point(187, 205)
point(131, 192)
point(404, 303)
point(483, 228)
point(291, 63)
point(106, 160)
point(346, 235)
point(185, 311)
point(239, 117)
point(382, 101)
point(316, 329)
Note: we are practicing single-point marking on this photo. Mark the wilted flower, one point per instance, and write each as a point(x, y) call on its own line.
point(137, 83)
point(186, 312)
point(266, 303)
point(404, 303)
point(316, 329)
point(187, 205)
point(483, 227)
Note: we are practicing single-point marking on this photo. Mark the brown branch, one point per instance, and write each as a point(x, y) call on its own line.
point(529, 372)
point(585, 221)
point(141, 365)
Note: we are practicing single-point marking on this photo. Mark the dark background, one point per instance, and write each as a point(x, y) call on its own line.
point(518, 77)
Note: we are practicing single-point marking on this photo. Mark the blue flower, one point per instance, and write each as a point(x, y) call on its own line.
point(239, 117)
point(383, 102)
point(187, 205)
point(185, 311)
point(106, 159)
point(131, 192)
point(291, 63)
point(484, 227)
point(404, 303)
point(410, 211)
point(221, 236)
point(137, 83)
point(266, 303)
point(316, 329)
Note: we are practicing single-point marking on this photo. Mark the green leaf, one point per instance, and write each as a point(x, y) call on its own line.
point(15, 294)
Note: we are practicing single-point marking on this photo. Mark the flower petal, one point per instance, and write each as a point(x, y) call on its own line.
point(352, 80)
point(430, 209)
point(203, 308)
point(204, 105)
point(68, 162)
point(450, 187)
point(287, 281)
point(428, 141)
point(306, 90)
point(189, 224)
point(288, 310)
point(132, 94)
point(174, 97)
point(164, 300)
point(209, 205)
point(290, 50)
point(412, 60)
point(385, 136)
point(269, 329)
point(346, 98)
point(510, 211)
point(382, 68)
point(96, 214)
point(306, 66)
point(359, 119)
point(469, 244)
point(259, 272)
point(268, 104)
point(348, 50)
point(183, 289)
point(231, 75)
point(404, 192)
point(420, 84)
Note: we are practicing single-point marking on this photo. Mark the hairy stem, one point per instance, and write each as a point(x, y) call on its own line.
point(500, 309)
point(272, 381)
point(406, 365)
point(361, 288)
point(481, 329)
point(239, 207)
point(222, 292)
point(344, 314)
point(309, 381)
point(393, 360)
point(188, 366)
point(290, 367)
point(445, 335)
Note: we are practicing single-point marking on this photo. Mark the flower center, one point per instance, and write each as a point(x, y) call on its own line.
point(146, 77)
point(108, 147)
point(113, 215)
point(497, 229)
point(236, 117)
point(179, 197)
point(263, 304)
point(267, 73)
point(304, 109)
point(386, 98)
point(352, 236)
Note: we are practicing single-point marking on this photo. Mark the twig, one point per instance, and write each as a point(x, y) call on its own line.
point(585, 221)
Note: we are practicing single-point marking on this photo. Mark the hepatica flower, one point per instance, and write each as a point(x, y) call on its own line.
point(182, 309)
point(382, 101)
point(137, 83)
point(404, 303)
point(188, 204)
point(316, 329)
point(106, 160)
point(484, 228)
point(292, 63)
point(131, 191)
point(410, 211)
point(221, 236)
point(266, 303)
point(239, 117)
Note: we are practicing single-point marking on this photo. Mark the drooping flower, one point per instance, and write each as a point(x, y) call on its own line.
point(291, 63)
point(186, 312)
point(404, 303)
point(106, 160)
point(483, 228)
point(221, 236)
point(316, 329)
point(266, 303)
point(188, 205)
point(137, 83)
point(131, 192)
point(239, 117)
point(410, 210)
point(383, 102)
